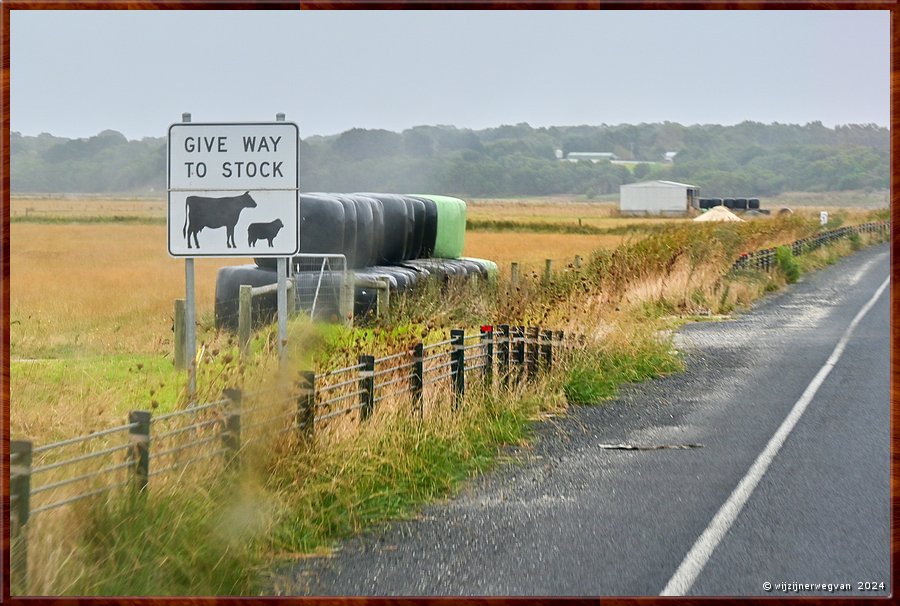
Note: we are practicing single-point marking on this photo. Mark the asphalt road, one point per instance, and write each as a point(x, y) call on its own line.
point(571, 518)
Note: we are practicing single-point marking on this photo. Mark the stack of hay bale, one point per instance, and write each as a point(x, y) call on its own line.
point(401, 238)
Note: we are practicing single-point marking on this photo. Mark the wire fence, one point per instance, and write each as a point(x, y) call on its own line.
point(764, 260)
point(213, 437)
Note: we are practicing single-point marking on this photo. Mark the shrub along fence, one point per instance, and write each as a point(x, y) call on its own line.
point(151, 448)
point(765, 259)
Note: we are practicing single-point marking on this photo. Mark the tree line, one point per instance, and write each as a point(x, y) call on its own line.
point(747, 159)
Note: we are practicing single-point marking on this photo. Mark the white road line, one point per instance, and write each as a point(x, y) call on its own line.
point(700, 553)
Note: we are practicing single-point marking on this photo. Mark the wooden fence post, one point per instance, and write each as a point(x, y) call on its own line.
point(520, 352)
point(231, 436)
point(179, 335)
point(417, 382)
point(292, 297)
point(20, 510)
point(532, 335)
point(383, 298)
point(139, 436)
point(503, 353)
point(514, 273)
point(547, 349)
point(347, 295)
point(458, 366)
point(245, 318)
point(366, 386)
point(306, 405)
point(548, 270)
point(487, 340)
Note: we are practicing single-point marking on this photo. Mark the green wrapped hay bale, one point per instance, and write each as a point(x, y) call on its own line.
point(451, 225)
point(490, 269)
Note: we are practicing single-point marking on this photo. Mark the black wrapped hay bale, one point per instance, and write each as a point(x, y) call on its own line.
point(265, 307)
point(228, 290)
point(416, 208)
point(321, 227)
point(397, 227)
point(351, 225)
point(366, 239)
point(429, 228)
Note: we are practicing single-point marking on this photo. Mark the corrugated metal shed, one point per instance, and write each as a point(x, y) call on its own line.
point(658, 198)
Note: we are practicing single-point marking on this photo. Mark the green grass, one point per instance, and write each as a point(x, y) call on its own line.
point(787, 264)
point(183, 542)
point(384, 473)
point(139, 379)
point(596, 374)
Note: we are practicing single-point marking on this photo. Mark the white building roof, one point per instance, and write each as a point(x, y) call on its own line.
point(661, 184)
point(591, 155)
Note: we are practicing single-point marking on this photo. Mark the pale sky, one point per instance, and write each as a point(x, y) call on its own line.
point(76, 73)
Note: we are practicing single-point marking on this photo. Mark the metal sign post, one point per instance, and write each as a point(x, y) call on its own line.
point(190, 324)
point(281, 269)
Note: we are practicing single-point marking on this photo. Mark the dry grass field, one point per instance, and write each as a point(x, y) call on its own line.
point(81, 289)
point(557, 209)
point(97, 288)
point(38, 207)
point(92, 303)
point(829, 200)
point(530, 249)
point(108, 288)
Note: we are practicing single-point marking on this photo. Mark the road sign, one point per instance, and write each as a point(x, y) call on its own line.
point(233, 189)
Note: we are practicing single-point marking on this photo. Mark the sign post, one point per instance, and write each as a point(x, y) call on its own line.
point(190, 314)
point(232, 192)
point(281, 270)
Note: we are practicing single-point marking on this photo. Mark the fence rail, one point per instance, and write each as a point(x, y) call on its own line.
point(765, 259)
point(149, 446)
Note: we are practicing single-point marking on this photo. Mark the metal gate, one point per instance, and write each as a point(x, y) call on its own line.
point(323, 286)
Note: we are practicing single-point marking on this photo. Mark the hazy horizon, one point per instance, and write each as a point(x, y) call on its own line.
point(163, 135)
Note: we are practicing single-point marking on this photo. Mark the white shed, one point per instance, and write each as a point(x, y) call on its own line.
point(658, 198)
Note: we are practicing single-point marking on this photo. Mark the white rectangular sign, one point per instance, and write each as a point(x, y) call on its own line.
point(233, 189)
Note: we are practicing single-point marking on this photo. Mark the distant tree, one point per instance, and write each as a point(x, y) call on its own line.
point(641, 171)
point(361, 144)
point(742, 160)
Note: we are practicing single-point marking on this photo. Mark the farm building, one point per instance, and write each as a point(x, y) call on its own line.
point(590, 156)
point(658, 198)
